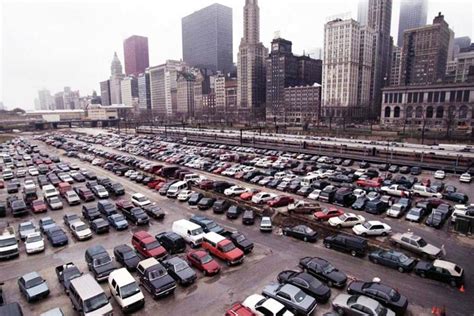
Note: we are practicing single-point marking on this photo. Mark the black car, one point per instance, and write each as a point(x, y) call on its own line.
point(99, 262)
point(324, 271)
point(99, 226)
point(273, 184)
point(305, 191)
point(12, 188)
point(248, 218)
point(180, 270)
point(234, 212)
point(156, 280)
point(205, 203)
point(302, 232)
point(154, 211)
point(106, 208)
point(220, 206)
point(393, 259)
point(78, 177)
point(356, 246)
point(56, 236)
point(126, 256)
point(441, 270)
point(172, 242)
point(307, 283)
point(195, 198)
point(359, 204)
point(207, 224)
point(457, 197)
point(90, 212)
point(136, 215)
point(115, 188)
point(387, 296)
point(241, 242)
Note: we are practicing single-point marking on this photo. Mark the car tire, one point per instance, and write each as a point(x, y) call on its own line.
point(339, 226)
point(401, 270)
point(422, 274)
point(375, 261)
point(339, 311)
point(453, 283)
point(364, 234)
point(330, 284)
point(353, 253)
point(327, 245)
point(384, 234)
point(285, 233)
point(305, 239)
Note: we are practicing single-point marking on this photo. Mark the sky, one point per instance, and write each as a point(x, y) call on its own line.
point(56, 43)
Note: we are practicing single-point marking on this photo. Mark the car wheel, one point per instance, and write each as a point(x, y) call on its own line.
point(285, 233)
point(339, 311)
point(205, 273)
point(305, 239)
point(328, 246)
point(384, 234)
point(338, 226)
point(423, 275)
point(453, 283)
point(364, 234)
point(400, 269)
point(353, 253)
point(330, 283)
point(375, 261)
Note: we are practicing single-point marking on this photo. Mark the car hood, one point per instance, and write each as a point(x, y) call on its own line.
point(186, 273)
point(34, 245)
point(217, 229)
point(59, 238)
point(245, 243)
point(104, 268)
point(163, 281)
point(37, 290)
point(133, 262)
point(27, 232)
point(431, 250)
point(412, 216)
point(211, 266)
point(157, 252)
point(337, 276)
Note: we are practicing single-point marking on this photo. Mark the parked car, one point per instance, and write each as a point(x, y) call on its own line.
point(292, 297)
point(346, 220)
point(415, 244)
point(154, 278)
point(327, 213)
point(172, 242)
point(126, 256)
point(56, 236)
point(457, 197)
point(393, 259)
point(372, 228)
point(33, 287)
point(266, 224)
point(324, 271)
point(307, 283)
point(415, 214)
point(100, 192)
point(118, 221)
point(99, 226)
point(263, 306)
point(302, 232)
point(140, 200)
point(154, 211)
point(207, 224)
point(356, 246)
point(80, 230)
point(201, 260)
point(441, 270)
point(137, 216)
point(180, 270)
point(146, 245)
point(34, 243)
point(248, 218)
point(345, 304)
point(90, 212)
point(241, 242)
point(99, 262)
point(54, 203)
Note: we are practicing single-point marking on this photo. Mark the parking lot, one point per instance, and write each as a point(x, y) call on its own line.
point(272, 254)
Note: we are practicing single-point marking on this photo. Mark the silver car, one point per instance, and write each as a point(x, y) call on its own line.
point(345, 304)
point(33, 286)
point(292, 297)
point(26, 228)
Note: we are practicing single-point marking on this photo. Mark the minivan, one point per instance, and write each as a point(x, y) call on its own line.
point(175, 188)
point(191, 232)
point(88, 298)
point(355, 245)
point(327, 194)
point(125, 290)
point(172, 242)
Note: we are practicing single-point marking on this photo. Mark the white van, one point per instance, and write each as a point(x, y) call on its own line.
point(125, 290)
point(191, 232)
point(193, 178)
point(88, 298)
point(421, 190)
point(49, 191)
point(309, 180)
point(175, 188)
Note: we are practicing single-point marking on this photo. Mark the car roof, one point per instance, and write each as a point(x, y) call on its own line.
point(366, 301)
point(147, 263)
point(444, 264)
point(86, 286)
point(122, 277)
point(30, 276)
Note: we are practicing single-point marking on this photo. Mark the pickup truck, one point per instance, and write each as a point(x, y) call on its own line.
point(302, 207)
point(8, 242)
point(66, 273)
point(416, 244)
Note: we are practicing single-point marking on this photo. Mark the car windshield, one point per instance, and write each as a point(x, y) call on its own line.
point(141, 199)
point(308, 230)
point(396, 207)
point(366, 225)
point(129, 290)
point(328, 268)
point(48, 221)
point(8, 242)
point(27, 226)
point(415, 211)
point(394, 295)
point(81, 227)
point(54, 200)
point(129, 255)
point(380, 310)
point(197, 231)
point(152, 245)
point(156, 274)
point(422, 242)
point(34, 238)
point(211, 225)
point(34, 282)
point(119, 218)
point(343, 217)
point(180, 266)
point(102, 261)
point(240, 238)
point(96, 302)
point(206, 259)
point(300, 296)
point(228, 247)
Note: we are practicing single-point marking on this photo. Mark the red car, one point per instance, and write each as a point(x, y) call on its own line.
point(219, 170)
point(152, 184)
point(206, 184)
point(426, 182)
point(247, 196)
point(38, 161)
point(239, 175)
point(85, 194)
point(327, 213)
point(203, 261)
point(369, 183)
point(2, 184)
point(159, 185)
point(47, 161)
point(123, 204)
point(39, 206)
point(238, 309)
point(147, 245)
point(282, 200)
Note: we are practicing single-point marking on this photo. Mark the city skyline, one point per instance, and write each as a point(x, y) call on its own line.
point(53, 62)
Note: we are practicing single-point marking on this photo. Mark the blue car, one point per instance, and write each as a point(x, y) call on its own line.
point(118, 221)
point(56, 236)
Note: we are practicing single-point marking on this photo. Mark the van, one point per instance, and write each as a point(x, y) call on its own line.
point(175, 188)
point(88, 298)
point(63, 187)
point(355, 245)
point(222, 248)
point(125, 290)
point(172, 242)
point(192, 178)
point(421, 190)
point(49, 191)
point(344, 197)
point(191, 232)
point(309, 180)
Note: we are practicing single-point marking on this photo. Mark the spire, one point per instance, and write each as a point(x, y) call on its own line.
point(116, 66)
point(251, 22)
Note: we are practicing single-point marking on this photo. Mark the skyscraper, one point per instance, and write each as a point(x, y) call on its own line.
point(412, 14)
point(425, 53)
point(135, 50)
point(115, 78)
point(144, 100)
point(129, 91)
point(207, 38)
point(395, 65)
point(362, 12)
point(251, 65)
point(379, 19)
point(46, 101)
point(105, 92)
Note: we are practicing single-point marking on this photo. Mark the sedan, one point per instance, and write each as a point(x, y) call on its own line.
point(33, 286)
point(372, 228)
point(279, 201)
point(393, 259)
point(118, 221)
point(302, 232)
point(201, 260)
point(100, 192)
point(56, 236)
point(154, 211)
point(457, 197)
point(386, 295)
point(72, 198)
point(26, 228)
point(234, 190)
point(80, 230)
point(346, 220)
point(292, 297)
point(39, 206)
point(126, 256)
point(314, 195)
point(327, 213)
point(184, 195)
point(307, 283)
point(439, 174)
point(345, 304)
point(180, 270)
point(100, 226)
point(415, 214)
point(85, 194)
point(54, 203)
point(324, 271)
point(34, 243)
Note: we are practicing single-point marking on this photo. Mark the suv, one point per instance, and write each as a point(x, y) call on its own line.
point(172, 242)
point(106, 208)
point(147, 245)
point(355, 245)
point(154, 278)
point(223, 248)
point(99, 262)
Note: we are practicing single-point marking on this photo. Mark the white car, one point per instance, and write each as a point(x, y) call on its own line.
point(359, 193)
point(263, 197)
point(96, 161)
point(266, 224)
point(33, 171)
point(465, 177)
point(372, 228)
point(263, 306)
point(29, 185)
point(439, 174)
point(184, 195)
point(396, 210)
point(80, 230)
point(396, 190)
point(346, 220)
point(64, 177)
point(54, 203)
point(34, 243)
point(461, 209)
point(314, 195)
point(140, 200)
point(360, 172)
point(234, 190)
point(26, 228)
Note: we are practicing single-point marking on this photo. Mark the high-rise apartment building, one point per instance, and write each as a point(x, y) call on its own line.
point(366, 51)
point(425, 53)
point(395, 66)
point(46, 101)
point(207, 38)
point(185, 82)
point(129, 91)
point(163, 87)
point(59, 101)
point(219, 92)
point(135, 50)
point(105, 92)
point(362, 12)
point(144, 99)
point(251, 66)
point(413, 14)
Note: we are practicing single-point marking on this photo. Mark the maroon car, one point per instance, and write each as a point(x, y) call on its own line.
point(279, 201)
point(84, 194)
point(206, 184)
point(39, 206)
point(123, 204)
point(203, 261)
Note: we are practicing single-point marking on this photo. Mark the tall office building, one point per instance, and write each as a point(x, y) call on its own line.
point(207, 38)
point(70, 99)
point(251, 65)
point(395, 66)
point(105, 92)
point(59, 101)
point(464, 62)
point(362, 12)
point(115, 78)
point(144, 100)
point(135, 50)
point(379, 19)
point(129, 91)
point(412, 15)
point(46, 101)
point(425, 53)
point(366, 51)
